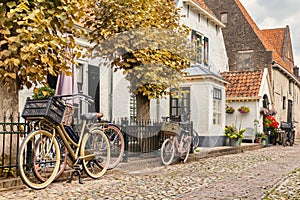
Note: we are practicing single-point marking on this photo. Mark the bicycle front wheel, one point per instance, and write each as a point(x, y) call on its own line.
point(186, 146)
point(117, 145)
point(95, 153)
point(167, 151)
point(46, 155)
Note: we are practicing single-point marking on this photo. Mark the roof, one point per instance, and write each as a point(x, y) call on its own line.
point(275, 37)
point(199, 70)
point(204, 6)
point(243, 83)
point(266, 41)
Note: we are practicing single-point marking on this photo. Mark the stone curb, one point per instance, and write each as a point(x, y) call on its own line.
point(14, 183)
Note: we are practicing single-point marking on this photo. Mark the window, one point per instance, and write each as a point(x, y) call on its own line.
point(217, 106)
point(199, 17)
point(132, 107)
point(245, 60)
point(180, 106)
point(188, 11)
point(197, 40)
point(224, 17)
point(283, 102)
point(206, 51)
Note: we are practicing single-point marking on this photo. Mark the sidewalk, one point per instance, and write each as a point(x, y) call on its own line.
point(146, 163)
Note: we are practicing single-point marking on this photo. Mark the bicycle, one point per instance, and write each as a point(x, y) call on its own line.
point(116, 140)
point(173, 144)
point(40, 157)
point(187, 126)
point(288, 137)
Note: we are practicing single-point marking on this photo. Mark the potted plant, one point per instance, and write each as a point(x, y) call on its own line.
point(229, 130)
point(43, 92)
point(244, 109)
point(271, 126)
point(264, 139)
point(235, 135)
point(258, 137)
point(229, 109)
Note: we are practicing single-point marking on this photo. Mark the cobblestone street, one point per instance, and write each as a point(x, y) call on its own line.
point(267, 173)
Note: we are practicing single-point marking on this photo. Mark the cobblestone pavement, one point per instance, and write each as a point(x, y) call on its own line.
point(267, 173)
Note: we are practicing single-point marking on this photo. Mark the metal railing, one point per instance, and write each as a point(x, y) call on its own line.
point(12, 131)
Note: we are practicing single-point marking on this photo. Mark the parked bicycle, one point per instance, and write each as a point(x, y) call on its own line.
point(177, 145)
point(187, 126)
point(116, 140)
point(289, 133)
point(42, 156)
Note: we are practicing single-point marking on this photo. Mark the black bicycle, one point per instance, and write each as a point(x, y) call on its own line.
point(289, 133)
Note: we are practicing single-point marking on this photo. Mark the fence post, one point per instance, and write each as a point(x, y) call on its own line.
point(124, 124)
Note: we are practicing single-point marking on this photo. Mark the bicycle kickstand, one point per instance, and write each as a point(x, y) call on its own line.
point(77, 171)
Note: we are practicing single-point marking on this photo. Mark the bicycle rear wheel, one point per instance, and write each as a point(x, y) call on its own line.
point(47, 159)
point(167, 151)
point(117, 145)
point(95, 153)
point(63, 160)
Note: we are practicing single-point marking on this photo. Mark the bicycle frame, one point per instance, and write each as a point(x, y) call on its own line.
point(179, 145)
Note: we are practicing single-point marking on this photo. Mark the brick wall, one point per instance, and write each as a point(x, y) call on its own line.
point(240, 36)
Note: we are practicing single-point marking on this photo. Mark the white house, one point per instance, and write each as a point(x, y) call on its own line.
point(205, 99)
point(250, 89)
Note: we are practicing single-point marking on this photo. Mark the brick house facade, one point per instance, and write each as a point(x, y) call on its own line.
point(249, 48)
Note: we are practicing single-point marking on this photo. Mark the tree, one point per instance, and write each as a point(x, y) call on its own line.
point(35, 39)
point(145, 40)
point(35, 36)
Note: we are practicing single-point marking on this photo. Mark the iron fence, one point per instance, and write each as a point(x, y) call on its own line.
point(12, 131)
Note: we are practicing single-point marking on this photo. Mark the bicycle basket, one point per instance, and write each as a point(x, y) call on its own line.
point(50, 109)
point(68, 116)
point(170, 128)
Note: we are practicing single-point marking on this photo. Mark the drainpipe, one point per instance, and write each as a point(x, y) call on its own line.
point(110, 93)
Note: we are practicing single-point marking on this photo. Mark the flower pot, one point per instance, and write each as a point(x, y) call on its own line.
point(264, 142)
point(235, 142)
point(226, 141)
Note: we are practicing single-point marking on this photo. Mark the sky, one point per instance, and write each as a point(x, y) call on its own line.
point(277, 14)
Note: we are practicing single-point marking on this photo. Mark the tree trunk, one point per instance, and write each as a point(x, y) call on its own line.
point(143, 108)
point(8, 105)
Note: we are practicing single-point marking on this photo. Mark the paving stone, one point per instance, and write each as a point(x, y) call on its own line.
point(266, 173)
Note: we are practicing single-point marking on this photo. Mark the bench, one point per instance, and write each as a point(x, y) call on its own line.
point(249, 134)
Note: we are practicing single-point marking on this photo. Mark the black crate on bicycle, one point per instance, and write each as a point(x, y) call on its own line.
point(50, 109)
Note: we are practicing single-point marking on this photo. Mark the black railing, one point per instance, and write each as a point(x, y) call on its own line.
point(12, 130)
point(143, 137)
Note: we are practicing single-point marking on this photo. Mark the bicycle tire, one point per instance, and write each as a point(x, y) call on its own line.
point(63, 160)
point(167, 151)
point(195, 139)
point(186, 146)
point(117, 145)
point(48, 162)
point(284, 139)
point(95, 153)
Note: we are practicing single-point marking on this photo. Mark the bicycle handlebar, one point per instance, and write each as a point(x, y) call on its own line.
point(85, 97)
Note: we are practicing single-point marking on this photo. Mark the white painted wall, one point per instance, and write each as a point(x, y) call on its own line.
point(218, 60)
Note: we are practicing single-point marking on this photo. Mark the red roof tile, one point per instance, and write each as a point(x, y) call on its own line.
point(243, 83)
point(204, 6)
